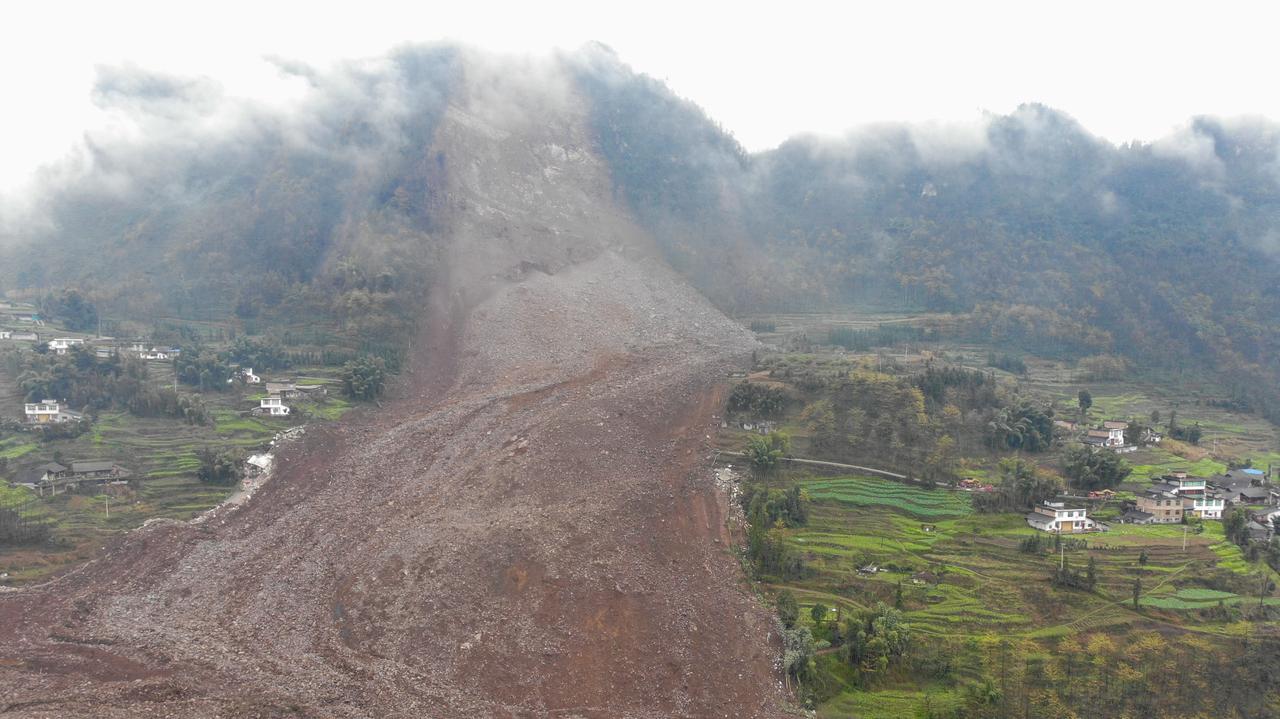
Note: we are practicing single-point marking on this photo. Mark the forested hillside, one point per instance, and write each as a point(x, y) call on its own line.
point(214, 207)
point(1038, 233)
point(1034, 232)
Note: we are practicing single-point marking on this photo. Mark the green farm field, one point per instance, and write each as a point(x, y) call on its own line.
point(963, 577)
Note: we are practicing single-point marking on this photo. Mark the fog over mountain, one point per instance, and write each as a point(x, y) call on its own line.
point(521, 281)
point(1032, 227)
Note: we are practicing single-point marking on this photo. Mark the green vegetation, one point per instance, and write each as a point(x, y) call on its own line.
point(364, 378)
point(964, 569)
point(225, 468)
point(875, 492)
point(1089, 468)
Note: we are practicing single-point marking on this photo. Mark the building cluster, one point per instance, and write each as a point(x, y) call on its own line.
point(1174, 498)
point(1178, 495)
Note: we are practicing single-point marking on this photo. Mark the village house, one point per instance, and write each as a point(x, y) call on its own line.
point(273, 406)
point(94, 471)
point(21, 336)
point(283, 390)
point(1197, 499)
point(1161, 505)
point(1057, 517)
point(1110, 438)
point(6, 335)
point(248, 377)
point(62, 345)
point(33, 476)
point(257, 464)
point(48, 411)
point(1244, 486)
point(156, 353)
point(1258, 532)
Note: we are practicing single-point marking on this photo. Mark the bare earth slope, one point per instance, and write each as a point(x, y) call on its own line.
point(527, 529)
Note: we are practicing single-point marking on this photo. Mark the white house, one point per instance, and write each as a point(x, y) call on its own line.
point(1197, 499)
point(6, 335)
point(46, 412)
point(155, 353)
point(273, 406)
point(1106, 436)
point(60, 345)
point(1057, 517)
point(248, 377)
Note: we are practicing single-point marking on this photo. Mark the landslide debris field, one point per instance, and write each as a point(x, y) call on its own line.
point(527, 528)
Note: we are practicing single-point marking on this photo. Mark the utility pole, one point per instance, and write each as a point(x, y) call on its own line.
point(1184, 538)
point(107, 498)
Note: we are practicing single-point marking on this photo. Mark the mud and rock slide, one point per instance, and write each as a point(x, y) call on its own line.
point(526, 527)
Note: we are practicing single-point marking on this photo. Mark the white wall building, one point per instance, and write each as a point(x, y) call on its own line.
point(1057, 517)
point(273, 406)
point(60, 345)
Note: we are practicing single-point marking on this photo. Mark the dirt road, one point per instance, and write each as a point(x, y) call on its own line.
point(527, 528)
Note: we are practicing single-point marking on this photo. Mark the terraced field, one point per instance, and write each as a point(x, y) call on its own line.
point(876, 492)
point(161, 452)
point(963, 578)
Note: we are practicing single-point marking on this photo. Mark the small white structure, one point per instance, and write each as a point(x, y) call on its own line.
point(6, 335)
point(155, 353)
point(61, 345)
point(259, 463)
point(248, 377)
point(47, 412)
point(273, 406)
point(1057, 517)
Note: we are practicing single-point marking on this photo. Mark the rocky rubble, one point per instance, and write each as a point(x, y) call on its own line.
point(527, 528)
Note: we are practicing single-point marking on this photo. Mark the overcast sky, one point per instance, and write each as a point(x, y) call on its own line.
point(1126, 70)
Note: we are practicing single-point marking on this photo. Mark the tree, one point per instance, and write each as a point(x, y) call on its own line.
point(1022, 486)
point(224, 468)
point(798, 652)
point(1084, 401)
point(1235, 526)
point(364, 378)
point(788, 609)
point(765, 452)
point(819, 613)
point(1143, 558)
point(1091, 574)
point(76, 312)
point(1137, 591)
point(1090, 468)
point(1194, 433)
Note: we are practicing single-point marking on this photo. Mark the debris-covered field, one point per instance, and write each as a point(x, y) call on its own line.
point(528, 527)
